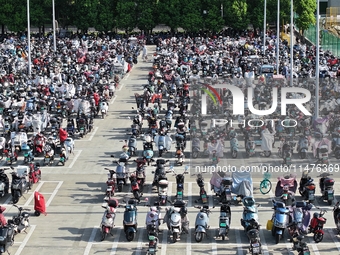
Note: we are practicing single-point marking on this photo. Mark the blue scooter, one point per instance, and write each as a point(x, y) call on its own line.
point(28, 152)
point(233, 143)
point(132, 144)
point(161, 144)
point(250, 212)
point(148, 152)
point(280, 220)
point(130, 220)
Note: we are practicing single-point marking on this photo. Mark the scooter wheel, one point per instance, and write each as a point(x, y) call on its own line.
point(267, 154)
point(198, 237)
point(318, 237)
point(175, 237)
point(37, 213)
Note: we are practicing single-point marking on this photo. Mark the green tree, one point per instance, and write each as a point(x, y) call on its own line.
point(106, 15)
point(6, 12)
point(64, 12)
point(84, 14)
point(305, 9)
point(126, 18)
point(237, 14)
point(40, 13)
point(18, 19)
point(192, 18)
point(169, 13)
point(146, 10)
point(214, 21)
point(272, 10)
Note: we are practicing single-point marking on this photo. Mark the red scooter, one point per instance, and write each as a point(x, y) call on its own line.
point(39, 144)
point(34, 174)
point(140, 173)
point(111, 184)
point(11, 156)
point(135, 187)
point(316, 225)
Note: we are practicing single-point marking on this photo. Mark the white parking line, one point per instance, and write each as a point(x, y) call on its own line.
point(126, 76)
point(9, 199)
point(90, 242)
point(263, 243)
point(189, 194)
point(188, 248)
point(213, 244)
point(140, 241)
point(24, 242)
point(75, 159)
point(238, 240)
point(337, 244)
point(164, 241)
point(315, 248)
point(29, 200)
point(90, 138)
point(93, 133)
point(169, 190)
point(113, 99)
point(115, 242)
point(54, 193)
point(211, 198)
point(188, 242)
point(121, 85)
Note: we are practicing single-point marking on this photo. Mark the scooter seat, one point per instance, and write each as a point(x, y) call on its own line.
point(163, 182)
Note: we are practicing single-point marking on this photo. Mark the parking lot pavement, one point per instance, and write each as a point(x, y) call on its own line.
point(74, 194)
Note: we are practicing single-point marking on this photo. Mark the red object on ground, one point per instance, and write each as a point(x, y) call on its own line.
point(96, 98)
point(39, 204)
point(156, 96)
point(62, 135)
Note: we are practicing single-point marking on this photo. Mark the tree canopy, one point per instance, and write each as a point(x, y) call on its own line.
point(191, 15)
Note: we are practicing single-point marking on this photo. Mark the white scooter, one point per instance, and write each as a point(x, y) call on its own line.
point(202, 222)
point(103, 108)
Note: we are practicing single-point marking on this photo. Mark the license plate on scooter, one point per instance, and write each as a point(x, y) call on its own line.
point(256, 250)
point(223, 225)
point(330, 196)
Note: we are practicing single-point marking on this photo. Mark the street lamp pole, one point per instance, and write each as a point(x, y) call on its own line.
point(291, 42)
point(54, 38)
point(264, 27)
point(317, 59)
point(278, 38)
point(29, 39)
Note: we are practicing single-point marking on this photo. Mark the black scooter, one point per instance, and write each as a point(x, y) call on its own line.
point(6, 238)
point(336, 216)
point(19, 186)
